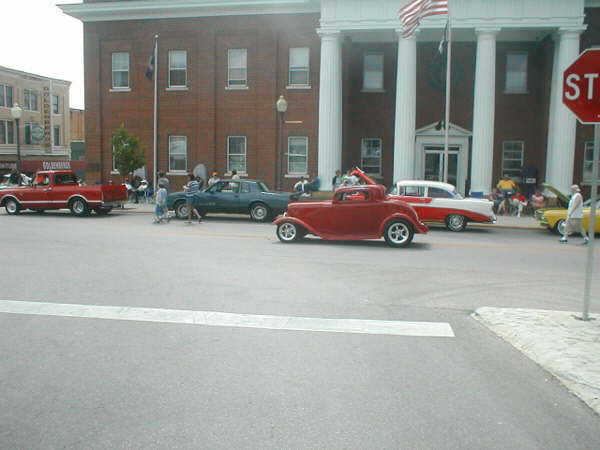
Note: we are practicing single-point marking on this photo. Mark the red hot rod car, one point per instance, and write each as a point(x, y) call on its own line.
point(359, 212)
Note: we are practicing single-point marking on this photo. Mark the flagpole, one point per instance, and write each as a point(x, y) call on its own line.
point(447, 117)
point(155, 137)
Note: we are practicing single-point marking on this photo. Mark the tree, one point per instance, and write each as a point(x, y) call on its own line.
point(128, 153)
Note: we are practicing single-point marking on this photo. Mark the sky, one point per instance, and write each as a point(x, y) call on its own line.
point(39, 38)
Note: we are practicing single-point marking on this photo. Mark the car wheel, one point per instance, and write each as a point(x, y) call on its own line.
point(102, 211)
point(398, 233)
point(181, 210)
point(79, 207)
point(12, 206)
point(456, 222)
point(260, 212)
point(560, 226)
point(288, 232)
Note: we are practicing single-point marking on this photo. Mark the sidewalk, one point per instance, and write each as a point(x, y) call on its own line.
point(519, 223)
point(566, 347)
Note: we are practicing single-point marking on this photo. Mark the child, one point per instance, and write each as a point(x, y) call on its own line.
point(161, 211)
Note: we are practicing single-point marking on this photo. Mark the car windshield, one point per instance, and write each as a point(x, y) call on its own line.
point(457, 195)
point(263, 187)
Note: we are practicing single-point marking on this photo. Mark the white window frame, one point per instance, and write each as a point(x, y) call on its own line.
point(3, 89)
point(28, 96)
point(5, 124)
point(299, 69)
point(290, 155)
point(380, 88)
point(56, 128)
point(171, 170)
point(519, 89)
point(113, 70)
point(245, 171)
point(521, 159)
point(57, 110)
point(363, 156)
point(172, 69)
point(588, 162)
point(231, 85)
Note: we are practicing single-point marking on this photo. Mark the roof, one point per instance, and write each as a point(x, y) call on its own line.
point(32, 75)
point(437, 184)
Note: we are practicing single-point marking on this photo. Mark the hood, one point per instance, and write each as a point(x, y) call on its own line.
point(563, 200)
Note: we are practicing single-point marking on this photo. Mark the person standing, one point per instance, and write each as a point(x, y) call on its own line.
point(161, 211)
point(213, 179)
point(191, 189)
point(575, 216)
point(162, 179)
point(336, 182)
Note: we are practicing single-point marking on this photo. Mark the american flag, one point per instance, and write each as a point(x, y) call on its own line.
point(411, 14)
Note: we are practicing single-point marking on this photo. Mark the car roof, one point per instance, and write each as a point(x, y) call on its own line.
point(222, 180)
point(437, 184)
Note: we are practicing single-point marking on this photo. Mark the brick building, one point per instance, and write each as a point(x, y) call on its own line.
point(44, 128)
point(358, 93)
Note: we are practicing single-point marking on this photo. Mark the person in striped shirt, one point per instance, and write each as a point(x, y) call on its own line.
point(191, 189)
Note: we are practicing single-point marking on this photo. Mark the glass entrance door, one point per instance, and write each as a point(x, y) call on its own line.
point(434, 164)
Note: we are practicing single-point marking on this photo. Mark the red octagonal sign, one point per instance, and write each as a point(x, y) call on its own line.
point(581, 87)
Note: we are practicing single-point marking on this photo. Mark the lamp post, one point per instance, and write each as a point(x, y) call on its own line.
point(281, 106)
point(16, 113)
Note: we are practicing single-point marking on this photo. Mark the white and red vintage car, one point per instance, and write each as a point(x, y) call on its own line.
point(439, 202)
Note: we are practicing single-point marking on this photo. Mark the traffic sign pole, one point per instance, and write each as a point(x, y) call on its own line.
point(592, 226)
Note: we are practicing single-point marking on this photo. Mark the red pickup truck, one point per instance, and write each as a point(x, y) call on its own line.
point(57, 189)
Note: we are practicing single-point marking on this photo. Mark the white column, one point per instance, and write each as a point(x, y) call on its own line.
point(330, 107)
point(406, 102)
point(484, 99)
point(552, 112)
point(561, 149)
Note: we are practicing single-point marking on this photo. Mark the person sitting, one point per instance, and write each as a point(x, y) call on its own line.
point(301, 187)
point(507, 185)
point(538, 200)
point(518, 202)
point(496, 197)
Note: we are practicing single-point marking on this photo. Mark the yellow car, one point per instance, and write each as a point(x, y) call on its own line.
point(554, 219)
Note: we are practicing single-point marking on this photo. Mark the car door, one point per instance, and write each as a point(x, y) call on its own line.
point(442, 202)
point(415, 196)
point(355, 214)
point(62, 189)
point(248, 193)
point(36, 195)
point(227, 196)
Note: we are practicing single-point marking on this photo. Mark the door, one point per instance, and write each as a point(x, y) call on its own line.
point(434, 164)
point(37, 195)
point(356, 215)
point(415, 195)
point(226, 195)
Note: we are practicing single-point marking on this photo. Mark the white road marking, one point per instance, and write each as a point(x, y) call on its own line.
point(221, 319)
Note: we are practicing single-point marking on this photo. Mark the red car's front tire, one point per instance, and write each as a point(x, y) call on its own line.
point(288, 232)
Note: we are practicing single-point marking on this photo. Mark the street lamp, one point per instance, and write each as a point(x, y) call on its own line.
point(281, 106)
point(16, 113)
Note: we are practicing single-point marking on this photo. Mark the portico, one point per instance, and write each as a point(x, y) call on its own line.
point(482, 25)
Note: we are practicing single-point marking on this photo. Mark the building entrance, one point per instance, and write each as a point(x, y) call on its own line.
point(434, 163)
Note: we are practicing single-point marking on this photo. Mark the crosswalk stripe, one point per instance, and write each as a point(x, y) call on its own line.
point(222, 319)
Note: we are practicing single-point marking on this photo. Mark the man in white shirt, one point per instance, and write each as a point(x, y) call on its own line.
point(575, 216)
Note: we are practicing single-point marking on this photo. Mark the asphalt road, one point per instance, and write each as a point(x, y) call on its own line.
point(68, 382)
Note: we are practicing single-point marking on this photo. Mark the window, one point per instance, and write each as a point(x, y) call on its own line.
point(371, 156)
point(299, 66)
point(434, 192)
point(236, 154)
point(516, 73)
point(228, 187)
point(512, 158)
point(30, 100)
point(56, 135)
point(354, 195)
point(245, 188)
point(66, 178)
point(373, 71)
point(237, 60)
point(297, 155)
point(6, 132)
point(588, 161)
point(55, 105)
point(28, 132)
point(120, 70)
point(412, 191)
point(177, 68)
point(177, 153)
point(6, 95)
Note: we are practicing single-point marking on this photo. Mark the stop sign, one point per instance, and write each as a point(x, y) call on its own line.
point(581, 87)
